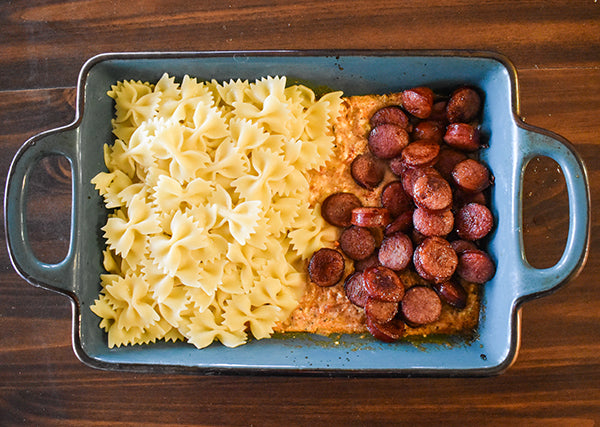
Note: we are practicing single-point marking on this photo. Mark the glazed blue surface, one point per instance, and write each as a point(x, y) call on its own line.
point(511, 145)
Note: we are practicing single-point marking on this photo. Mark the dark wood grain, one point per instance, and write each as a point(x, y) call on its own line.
point(556, 378)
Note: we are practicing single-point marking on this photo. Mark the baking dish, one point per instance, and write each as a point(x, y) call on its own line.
point(512, 143)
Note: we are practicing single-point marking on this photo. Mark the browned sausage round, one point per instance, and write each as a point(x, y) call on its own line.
point(438, 112)
point(429, 129)
point(433, 223)
point(396, 251)
point(367, 170)
point(337, 208)
point(403, 223)
point(397, 166)
point(432, 193)
point(447, 159)
point(326, 267)
point(475, 266)
point(473, 221)
point(392, 115)
point(463, 106)
point(418, 101)
point(435, 260)
point(395, 199)
point(471, 176)
point(462, 198)
point(452, 293)
point(387, 141)
point(381, 311)
point(417, 238)
point(355, 289)
point(410, 176)
point(386, 332)
point(420, 153)
point(460, 246)
point(420, 306)
point(357, 242)
point(371, 261)
point(371, 217)
point(383, 284)
point(462, 136)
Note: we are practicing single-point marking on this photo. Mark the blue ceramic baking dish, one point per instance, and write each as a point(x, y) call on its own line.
point(512, 143)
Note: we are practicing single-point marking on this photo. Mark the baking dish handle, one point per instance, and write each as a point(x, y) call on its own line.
point(540, 142)
point(58, 277)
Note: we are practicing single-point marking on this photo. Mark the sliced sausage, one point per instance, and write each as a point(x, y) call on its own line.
point(392, 115)
point(411, 175)
point(381, 311)
point(438, 112)
point(462, 136)
point(383, 283)
point(420, 306)
point(435, 260)
point(371, 261)
point(461, 198)
point(452, 293)
point(460, 246)
point(432, 192)
point(417, 238)
point(471, 176)
point(463, 106)
point(420, 153)
point(367, 170)
point(473, 221)
point(357, 242)
point(418, 101)
point(396, 251)
point(429, 129)
point(447, 159)
point(387, 141)
point(431, 223)
point(371, 217)
point(326, 267)
point(355, 289)
point(397, 166)
point(403, 223)
point(395, 199)
point(337, 208)
point(386, 332)
point(475, 266)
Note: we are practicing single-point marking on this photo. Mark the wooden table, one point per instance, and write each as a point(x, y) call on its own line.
point(555, 46)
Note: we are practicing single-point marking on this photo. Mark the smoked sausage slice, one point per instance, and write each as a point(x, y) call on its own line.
point(420, 306)
point(363, 264)
point(473, 221)
point(396, 251)
point(395, 199)
point(392, 115)
point(403, 223)
point(387, 141)
point(381, 311)
point(418, 101)
point(462, 136)
point(383, 284)
point(446, 161)
point(463, 106)
point(337, 208)
point(420, 153)
point(370, 217)
point(355, 289)
point(452, 293)
point(429, 129)
point(471, 176)
point(432, 192)
point(386, 332)
point(367, 170)
point(460, 246)
point(326, 267)
point(435, 260)
point(431, 223)
point(475, 266)
point(357, 242)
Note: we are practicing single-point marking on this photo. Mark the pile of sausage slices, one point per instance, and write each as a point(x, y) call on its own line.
point(433, 214)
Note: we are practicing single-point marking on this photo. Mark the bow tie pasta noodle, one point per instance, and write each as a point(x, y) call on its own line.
point(211, 222)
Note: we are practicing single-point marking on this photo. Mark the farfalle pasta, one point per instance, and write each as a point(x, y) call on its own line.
point(211, 221)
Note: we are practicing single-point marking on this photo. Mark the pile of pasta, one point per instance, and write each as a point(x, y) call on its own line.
point(210, 222)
